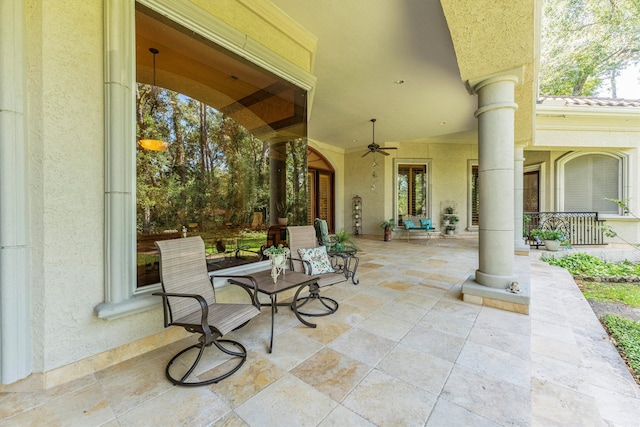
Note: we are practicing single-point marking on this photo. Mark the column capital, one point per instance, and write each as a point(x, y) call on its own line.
point(515, 74)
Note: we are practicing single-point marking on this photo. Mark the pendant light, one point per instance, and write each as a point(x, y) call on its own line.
point(154, 144)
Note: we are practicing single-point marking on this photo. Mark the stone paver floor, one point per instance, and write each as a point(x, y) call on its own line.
point(402, 350)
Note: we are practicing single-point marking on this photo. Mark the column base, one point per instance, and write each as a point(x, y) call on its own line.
point(502, 299)
point(521, 249)
point(493, 280)
point(475, 293)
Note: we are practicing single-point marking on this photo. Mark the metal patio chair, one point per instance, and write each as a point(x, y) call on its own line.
point(189, 301)
point(304, 237)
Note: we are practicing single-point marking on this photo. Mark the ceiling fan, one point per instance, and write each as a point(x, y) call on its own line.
point(375, 148)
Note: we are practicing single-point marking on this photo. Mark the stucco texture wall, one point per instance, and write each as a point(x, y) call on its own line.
point(66, 137)
point(510, 44)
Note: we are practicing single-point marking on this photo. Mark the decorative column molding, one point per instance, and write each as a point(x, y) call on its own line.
point(495, 113)
point(119, 84)
point(15, 286)
point(518, 199)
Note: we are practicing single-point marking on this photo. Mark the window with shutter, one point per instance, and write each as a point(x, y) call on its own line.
point(589, 180)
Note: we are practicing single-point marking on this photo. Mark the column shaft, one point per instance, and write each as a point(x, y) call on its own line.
point(495, 115)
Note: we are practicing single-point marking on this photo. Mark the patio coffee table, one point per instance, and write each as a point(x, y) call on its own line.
point(289, 280)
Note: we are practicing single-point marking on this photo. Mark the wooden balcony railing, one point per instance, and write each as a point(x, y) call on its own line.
point(583, 228)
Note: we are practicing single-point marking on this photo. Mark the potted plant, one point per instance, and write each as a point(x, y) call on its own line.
point(450, 229)
point(449, 209)
point(342, 239)
point(277, 255)
point(387, 226)
point(283, 212)
point(552, 238)
point(278, 259)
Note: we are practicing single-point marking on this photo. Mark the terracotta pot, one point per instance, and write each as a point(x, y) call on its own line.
point(387, 234)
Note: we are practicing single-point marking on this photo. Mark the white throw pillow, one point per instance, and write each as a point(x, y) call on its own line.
point(318, 259)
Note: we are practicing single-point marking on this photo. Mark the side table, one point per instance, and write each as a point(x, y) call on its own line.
point(349, 264)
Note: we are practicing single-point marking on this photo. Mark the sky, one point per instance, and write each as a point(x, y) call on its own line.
point(628, 84)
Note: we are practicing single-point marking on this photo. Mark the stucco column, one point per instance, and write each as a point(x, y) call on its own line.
point(518, 196)
point(495, 114)
point(277, 177)
point(15, 304)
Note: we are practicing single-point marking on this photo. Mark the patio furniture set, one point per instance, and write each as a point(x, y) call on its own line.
point(189, 299)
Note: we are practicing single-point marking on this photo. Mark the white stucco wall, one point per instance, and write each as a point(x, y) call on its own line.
point(66, 134)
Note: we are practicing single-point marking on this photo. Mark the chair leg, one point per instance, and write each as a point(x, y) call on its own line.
point(314, 294)
point(241, 354)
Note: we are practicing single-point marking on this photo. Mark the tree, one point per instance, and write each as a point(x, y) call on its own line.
point(586, 43)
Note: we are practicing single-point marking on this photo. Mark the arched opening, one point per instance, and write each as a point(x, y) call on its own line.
point(321, 177)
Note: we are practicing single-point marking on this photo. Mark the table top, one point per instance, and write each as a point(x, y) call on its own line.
point(290, 279)
point(343, 251)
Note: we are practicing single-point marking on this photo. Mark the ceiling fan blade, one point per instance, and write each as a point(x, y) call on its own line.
point(383, 153)
point(388, 148)
point(365, 153)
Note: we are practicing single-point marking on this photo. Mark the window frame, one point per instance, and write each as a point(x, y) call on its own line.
point(417, 162)
point(623, 176)
point(122, 297)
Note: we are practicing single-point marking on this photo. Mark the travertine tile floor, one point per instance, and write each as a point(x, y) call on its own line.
point(402, 350)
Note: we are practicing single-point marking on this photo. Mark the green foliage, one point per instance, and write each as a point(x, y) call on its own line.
point(625, 334)
point(344, 238)
point(626, 293)
point(589, 265)
point(214, 173)
point(275, 250)
point(390, 223)
point(585, 43)
point(547, 234)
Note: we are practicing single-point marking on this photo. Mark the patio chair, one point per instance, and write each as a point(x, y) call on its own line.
point(189, 301)
point(307, 257)
point(322, 233)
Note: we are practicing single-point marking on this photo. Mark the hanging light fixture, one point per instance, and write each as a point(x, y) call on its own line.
point(154, 144)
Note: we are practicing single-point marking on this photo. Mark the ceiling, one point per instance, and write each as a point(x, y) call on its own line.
point(364, 47)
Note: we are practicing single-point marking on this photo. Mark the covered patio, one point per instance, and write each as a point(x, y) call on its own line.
point(403, 349)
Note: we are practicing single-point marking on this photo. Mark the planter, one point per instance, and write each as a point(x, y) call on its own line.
point(282, 221)
point(278, 262)
point(450, 232)
point(387, 234)
point(552, 245)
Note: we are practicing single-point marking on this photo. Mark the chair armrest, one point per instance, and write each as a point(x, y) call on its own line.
point(203, 307)
point(252, 289)
point(306, 264)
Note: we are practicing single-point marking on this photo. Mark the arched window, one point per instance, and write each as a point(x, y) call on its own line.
point(587, 180)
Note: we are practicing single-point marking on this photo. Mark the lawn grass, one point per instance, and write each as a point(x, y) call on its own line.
point(625, 334)
point(626, 293)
